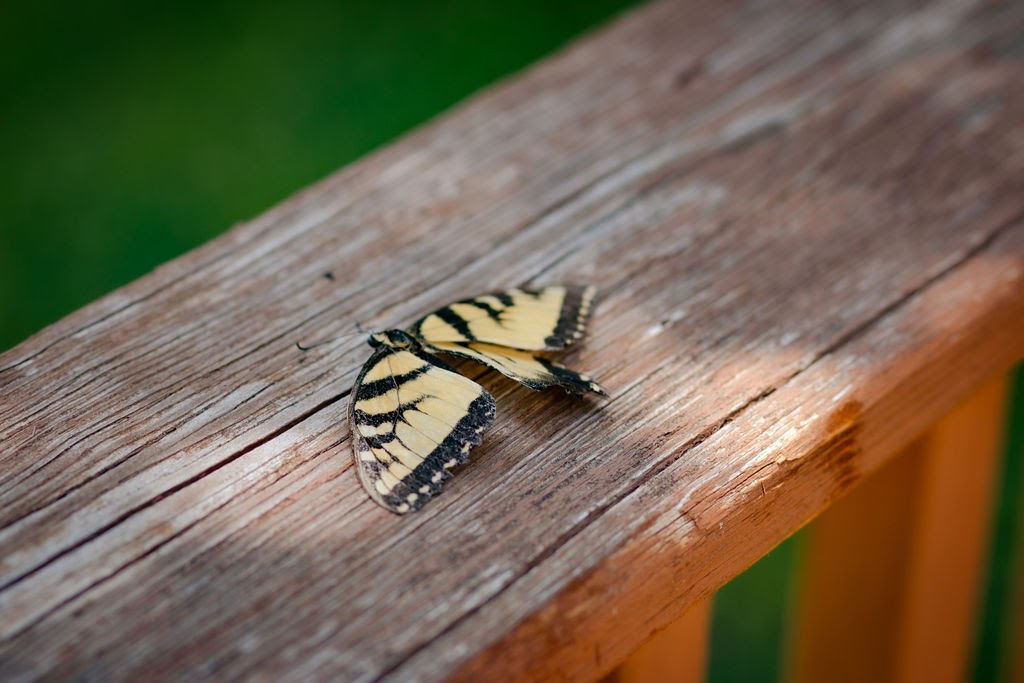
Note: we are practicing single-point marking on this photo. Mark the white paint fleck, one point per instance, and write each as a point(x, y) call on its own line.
point(667, 321)
point(788, 338)
point(842, 393)
point(653, 330)
point(934, 22)
point(759, 120)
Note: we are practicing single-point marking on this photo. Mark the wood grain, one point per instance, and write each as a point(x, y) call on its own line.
point(807, 224)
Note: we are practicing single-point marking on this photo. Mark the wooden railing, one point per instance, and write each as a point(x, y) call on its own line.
point(807, 224)
point(892, 574)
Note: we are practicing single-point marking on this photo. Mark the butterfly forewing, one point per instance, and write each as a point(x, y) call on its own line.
point(533, 371)
point(413, 419)
point(545, 318)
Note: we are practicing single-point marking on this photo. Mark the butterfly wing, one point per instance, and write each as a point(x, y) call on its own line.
point(535, 372)
point(545, 318)
point(412, 420)
point(500, 330)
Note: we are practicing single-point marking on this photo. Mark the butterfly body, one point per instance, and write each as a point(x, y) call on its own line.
point(414, 418)
point(393, 339)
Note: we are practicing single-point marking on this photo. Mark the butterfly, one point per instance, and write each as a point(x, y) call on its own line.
point(414, 418)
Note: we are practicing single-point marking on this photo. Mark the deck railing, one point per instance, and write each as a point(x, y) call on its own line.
point(892, 575)
point(807, 224)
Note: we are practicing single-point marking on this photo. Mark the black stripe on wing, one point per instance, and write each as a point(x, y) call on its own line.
point(533, 371)
point(428, 478)
point(411, 427)
point(572, 321)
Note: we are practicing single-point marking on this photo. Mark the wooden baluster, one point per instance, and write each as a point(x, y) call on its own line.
point(677, 654)
point(893, 572)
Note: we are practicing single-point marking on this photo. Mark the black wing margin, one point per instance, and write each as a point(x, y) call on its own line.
point(413, 419)
point(530, 319)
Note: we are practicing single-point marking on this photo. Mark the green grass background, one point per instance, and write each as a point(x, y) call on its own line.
point(133, 133)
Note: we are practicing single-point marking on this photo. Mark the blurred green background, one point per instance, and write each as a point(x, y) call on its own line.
point(133, 133)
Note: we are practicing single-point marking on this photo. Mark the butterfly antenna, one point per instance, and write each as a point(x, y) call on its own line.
point(306, 347)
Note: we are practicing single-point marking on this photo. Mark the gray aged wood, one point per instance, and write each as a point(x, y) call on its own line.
point(807, 223)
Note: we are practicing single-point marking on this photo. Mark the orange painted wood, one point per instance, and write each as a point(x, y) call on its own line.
point(951, 544)
point(894, 570)
point(678, 654)
point(853, 578)
point(806, 221)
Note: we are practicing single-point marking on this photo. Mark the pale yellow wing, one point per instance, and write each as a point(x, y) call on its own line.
point(413, 420)
point(535, 372)
point(530, 319)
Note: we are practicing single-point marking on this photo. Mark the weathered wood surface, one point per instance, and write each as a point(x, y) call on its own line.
point(807, 221)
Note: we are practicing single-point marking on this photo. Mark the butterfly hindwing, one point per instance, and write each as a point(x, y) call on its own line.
point(412, 420)
point(533, 371)
point(532, 319)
